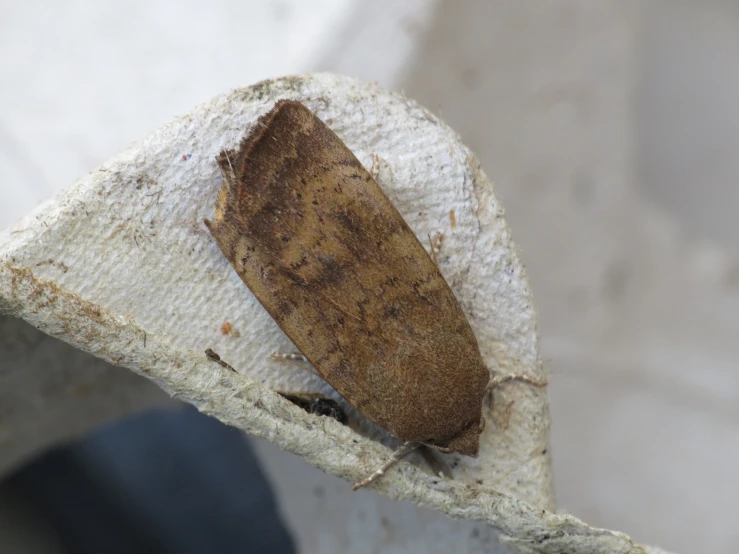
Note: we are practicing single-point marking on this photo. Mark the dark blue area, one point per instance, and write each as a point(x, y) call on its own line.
point(165, 481)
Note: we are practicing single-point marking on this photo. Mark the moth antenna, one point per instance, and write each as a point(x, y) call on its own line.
point(295, 356)
point(295, 359)
point(343, 310)
point(402, 451)
point(233, 172)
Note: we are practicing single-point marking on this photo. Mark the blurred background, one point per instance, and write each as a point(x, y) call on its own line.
point(610, 129)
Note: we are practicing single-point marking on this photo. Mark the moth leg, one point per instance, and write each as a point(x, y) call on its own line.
point(495, 382)
point(435, 245)
point(438, 467)
point(217, 359)
point(377, 166)
point(402, 451)
point(291, 357)
point(296, 359)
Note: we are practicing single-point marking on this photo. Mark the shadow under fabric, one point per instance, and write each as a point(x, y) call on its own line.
point(165, 481)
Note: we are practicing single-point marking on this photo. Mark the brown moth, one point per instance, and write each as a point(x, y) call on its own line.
point(319, 244)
